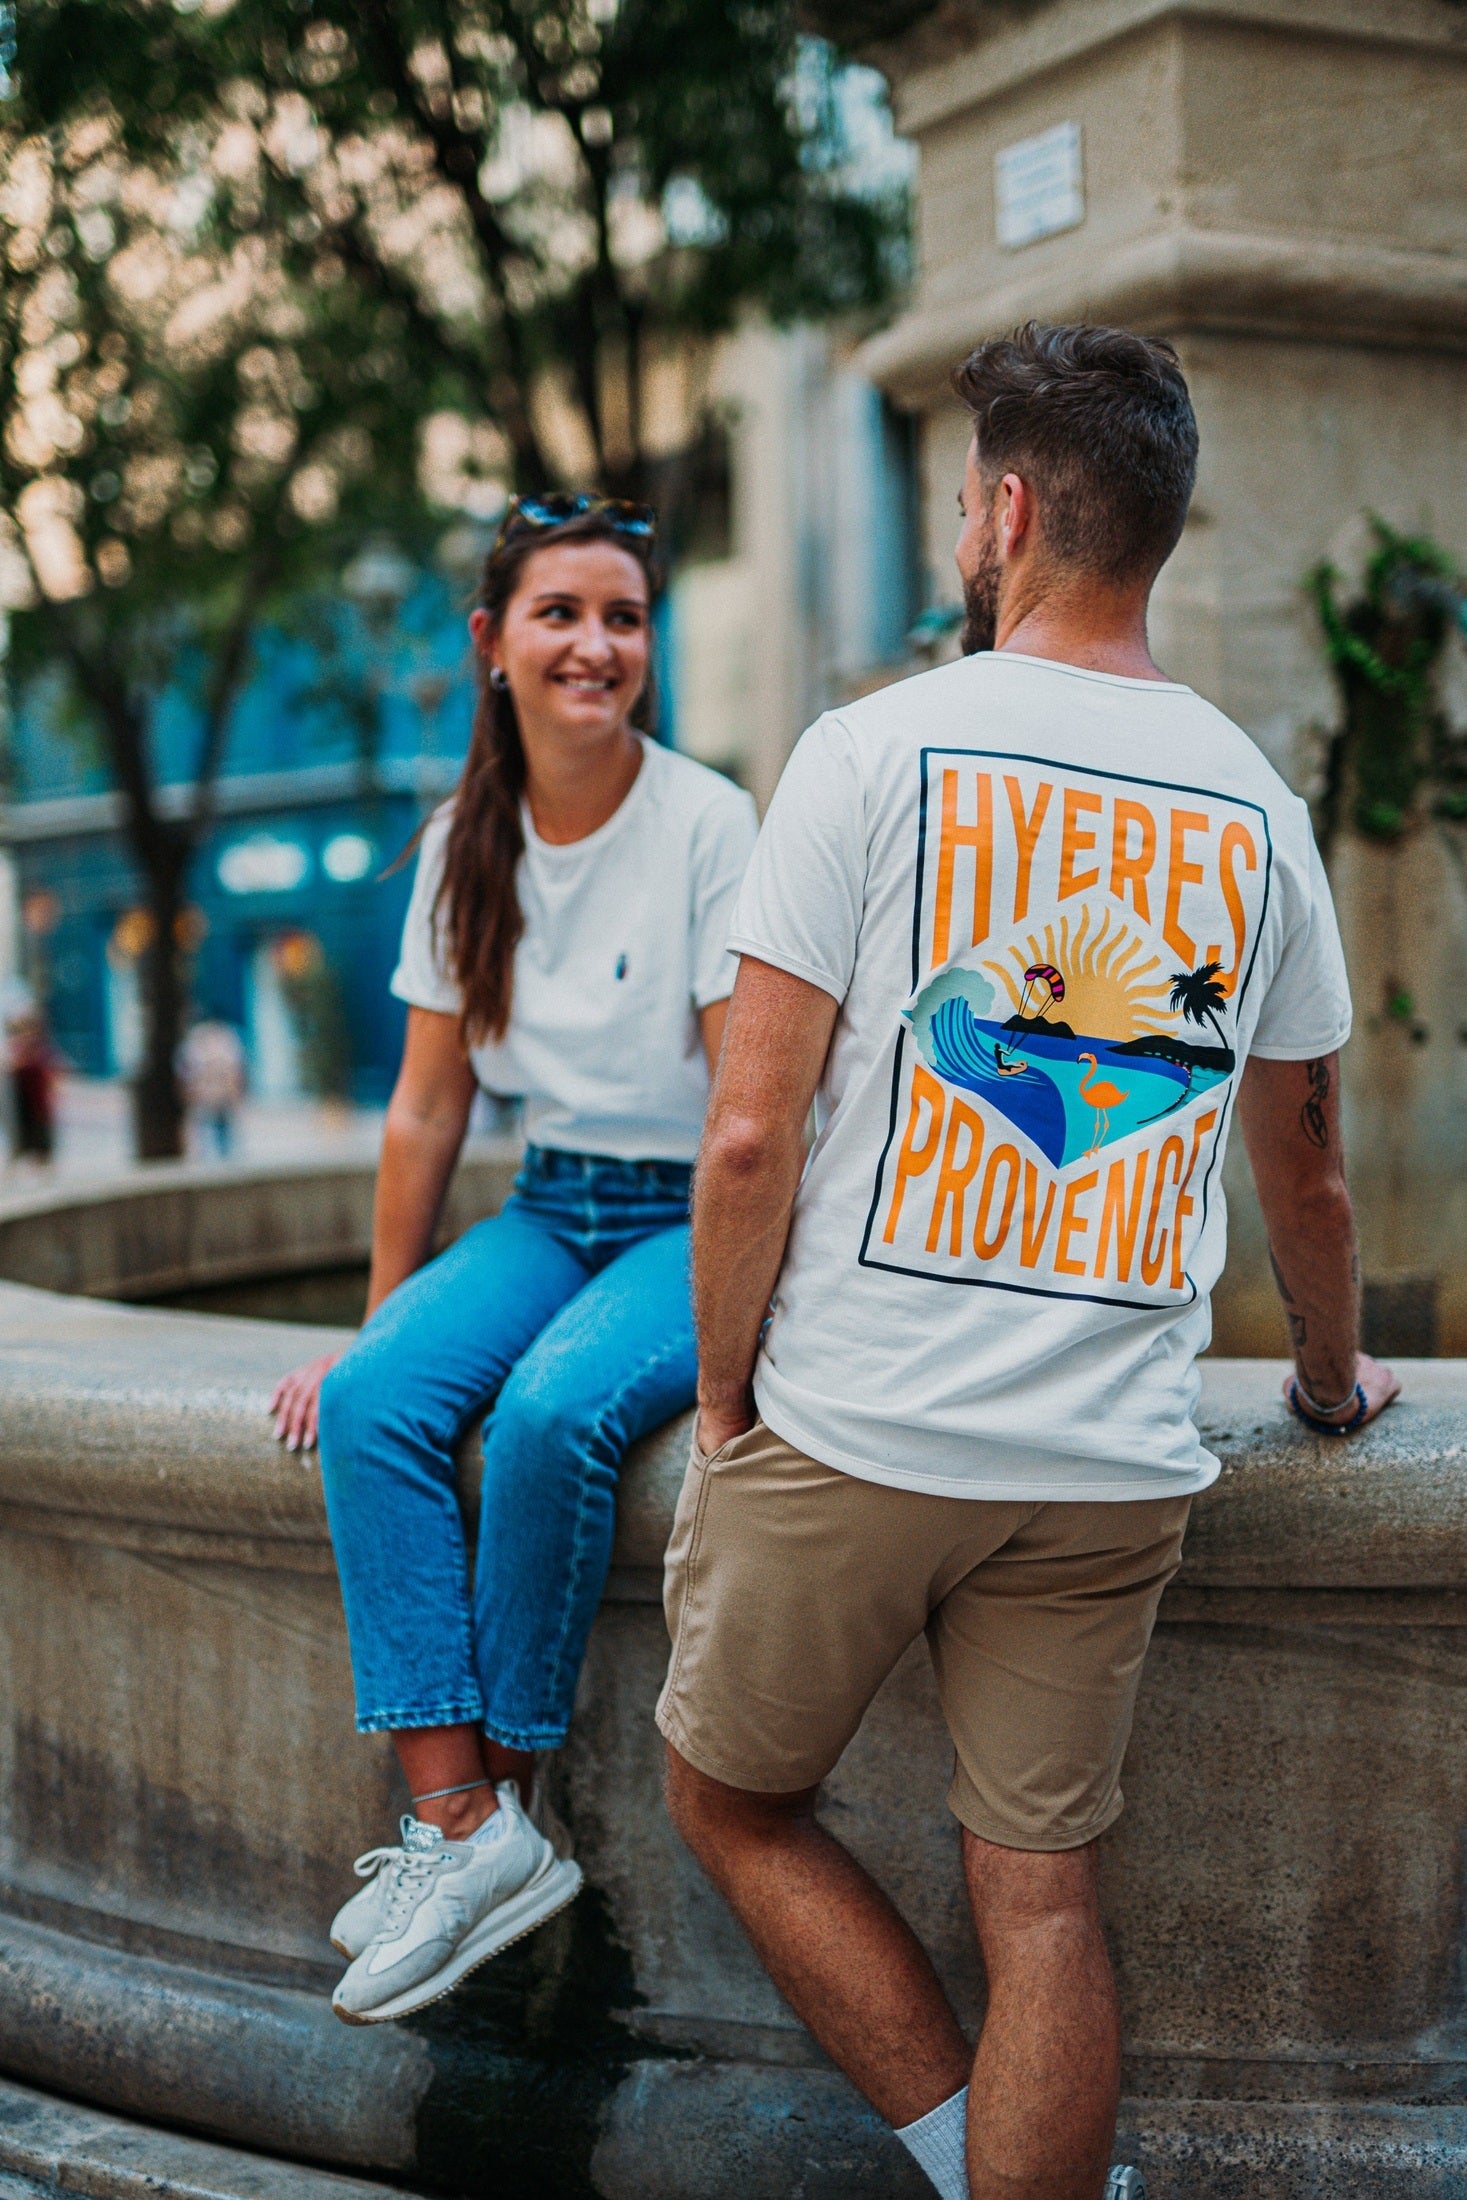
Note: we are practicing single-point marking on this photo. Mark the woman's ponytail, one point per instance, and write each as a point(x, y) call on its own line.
point(478, 910)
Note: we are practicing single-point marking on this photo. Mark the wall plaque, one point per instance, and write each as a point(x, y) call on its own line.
point(1039, 186)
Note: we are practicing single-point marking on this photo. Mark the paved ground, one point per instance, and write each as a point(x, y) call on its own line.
point(94, 1137)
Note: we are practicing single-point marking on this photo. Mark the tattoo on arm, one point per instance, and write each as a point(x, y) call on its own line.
point(1312, 1115)
point(1298, 1327)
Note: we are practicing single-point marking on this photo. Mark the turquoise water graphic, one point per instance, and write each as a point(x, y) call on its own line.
point(1043, 1097)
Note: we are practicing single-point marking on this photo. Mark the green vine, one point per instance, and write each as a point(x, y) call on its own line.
point(1385, 647)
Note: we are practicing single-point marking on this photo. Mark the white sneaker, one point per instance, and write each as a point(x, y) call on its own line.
point(361, 1916)
point(445, 1907)
point(1124, 2183)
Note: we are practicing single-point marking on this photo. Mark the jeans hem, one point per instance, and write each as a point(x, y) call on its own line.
point(397, 1722)
point(536, 1738)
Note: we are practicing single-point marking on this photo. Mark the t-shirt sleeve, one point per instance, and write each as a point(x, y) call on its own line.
point(420, 978)
point(803, 893)
point(1306, 1012)
point(720, 859)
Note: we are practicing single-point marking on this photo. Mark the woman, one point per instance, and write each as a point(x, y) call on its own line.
point(564, 942)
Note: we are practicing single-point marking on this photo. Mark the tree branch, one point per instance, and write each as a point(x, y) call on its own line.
point(162, 845)
point(231, 658)
point(456, 158)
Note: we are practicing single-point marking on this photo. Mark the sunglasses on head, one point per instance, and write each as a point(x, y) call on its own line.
point(557, 506)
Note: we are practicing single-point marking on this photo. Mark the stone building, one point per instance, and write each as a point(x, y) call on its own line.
point(1280, 186)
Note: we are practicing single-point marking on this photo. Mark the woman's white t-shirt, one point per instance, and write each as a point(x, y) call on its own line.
point(625, 941)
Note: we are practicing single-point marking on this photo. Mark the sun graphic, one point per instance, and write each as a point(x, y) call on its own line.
point(1110, 992)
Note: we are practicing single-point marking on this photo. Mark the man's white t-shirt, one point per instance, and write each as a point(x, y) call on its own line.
point(1013, 875)
point(625, 940)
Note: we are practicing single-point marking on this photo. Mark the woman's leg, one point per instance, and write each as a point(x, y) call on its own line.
point(392, 1411)
point(618, 1360)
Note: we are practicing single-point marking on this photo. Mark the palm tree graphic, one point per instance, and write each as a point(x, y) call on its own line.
point(1199, 996)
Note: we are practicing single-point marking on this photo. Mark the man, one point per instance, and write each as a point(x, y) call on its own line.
point(1014, 927)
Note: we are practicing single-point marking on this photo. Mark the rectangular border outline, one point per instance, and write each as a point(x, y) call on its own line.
point(1129, 779)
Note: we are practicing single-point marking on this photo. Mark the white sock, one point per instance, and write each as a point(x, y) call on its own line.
point(494, 1828)
point(938, 2143)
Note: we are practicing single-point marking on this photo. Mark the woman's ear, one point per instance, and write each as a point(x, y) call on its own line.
point(481, 633)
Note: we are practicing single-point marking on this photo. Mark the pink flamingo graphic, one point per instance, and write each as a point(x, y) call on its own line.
point(1102, 1096)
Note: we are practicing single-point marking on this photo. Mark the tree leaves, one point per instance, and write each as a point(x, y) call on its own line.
point(550, 190)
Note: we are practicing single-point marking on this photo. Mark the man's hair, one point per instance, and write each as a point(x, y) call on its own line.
point(1099, 423)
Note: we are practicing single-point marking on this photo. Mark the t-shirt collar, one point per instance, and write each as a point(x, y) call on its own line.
point(1084, 672)
point(570, 851)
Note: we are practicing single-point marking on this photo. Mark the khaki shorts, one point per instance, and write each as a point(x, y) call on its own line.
point(793, 1589)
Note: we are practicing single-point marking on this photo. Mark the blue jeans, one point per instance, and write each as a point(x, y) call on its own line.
point(569, 1314)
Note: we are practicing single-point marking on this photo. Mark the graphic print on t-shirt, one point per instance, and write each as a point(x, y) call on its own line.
point(1082, 944)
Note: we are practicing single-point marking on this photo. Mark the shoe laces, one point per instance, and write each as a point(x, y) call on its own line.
point(404, 1869)
point(373, 1861)
point(405, 1879)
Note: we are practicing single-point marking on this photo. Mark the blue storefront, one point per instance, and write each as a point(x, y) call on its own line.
point(333, 761)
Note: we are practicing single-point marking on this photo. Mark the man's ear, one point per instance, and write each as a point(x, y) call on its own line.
point(1015, 517)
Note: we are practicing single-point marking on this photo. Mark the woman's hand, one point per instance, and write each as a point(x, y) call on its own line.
point(296, 1402)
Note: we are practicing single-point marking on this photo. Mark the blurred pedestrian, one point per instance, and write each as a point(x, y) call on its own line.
point(31, 1063)
point(212, 1066)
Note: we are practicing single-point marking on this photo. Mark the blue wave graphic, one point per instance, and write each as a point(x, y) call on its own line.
point(1046, 1099)
point(963, 1054)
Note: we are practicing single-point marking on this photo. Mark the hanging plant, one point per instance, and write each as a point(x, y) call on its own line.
point(1385, 647)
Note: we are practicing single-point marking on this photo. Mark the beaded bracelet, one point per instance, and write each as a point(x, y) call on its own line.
point(1330, 1428)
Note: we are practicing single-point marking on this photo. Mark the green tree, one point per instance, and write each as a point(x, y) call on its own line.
point(263, 258)
point(198, 415)
point(555, 195)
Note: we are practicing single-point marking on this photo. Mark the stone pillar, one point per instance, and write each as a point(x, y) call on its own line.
point(1280, 186)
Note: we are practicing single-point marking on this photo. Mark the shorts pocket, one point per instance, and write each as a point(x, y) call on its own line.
point(699, 1459)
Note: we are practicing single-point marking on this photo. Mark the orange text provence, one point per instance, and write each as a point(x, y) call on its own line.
point(985, 1199)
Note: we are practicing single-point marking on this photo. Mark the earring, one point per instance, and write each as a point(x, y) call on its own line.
point(498, 677)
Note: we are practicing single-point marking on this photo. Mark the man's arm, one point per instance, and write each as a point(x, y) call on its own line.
point(1290, 1113)
point(753, 1152)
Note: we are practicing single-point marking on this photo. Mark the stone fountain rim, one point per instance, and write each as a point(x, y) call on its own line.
point(155, 1420)
point(121, 1414)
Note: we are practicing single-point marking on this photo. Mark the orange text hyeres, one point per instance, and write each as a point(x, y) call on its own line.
point(1050, 838)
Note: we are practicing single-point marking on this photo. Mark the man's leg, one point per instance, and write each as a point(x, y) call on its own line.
point(1038, 1652)
point(847, 1963)
point(792, 1590)
point(1046, 2079)
point(1044, 2085)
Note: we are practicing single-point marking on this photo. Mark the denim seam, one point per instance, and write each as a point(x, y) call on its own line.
point(401, 1718)
point(594, 1434)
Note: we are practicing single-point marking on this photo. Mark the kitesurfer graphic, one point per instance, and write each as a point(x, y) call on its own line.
point(1013, 1064)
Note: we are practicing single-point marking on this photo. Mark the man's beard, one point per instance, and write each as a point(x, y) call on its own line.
point(980, 602)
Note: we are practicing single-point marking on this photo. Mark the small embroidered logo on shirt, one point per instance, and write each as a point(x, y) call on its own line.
point(621, 966)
